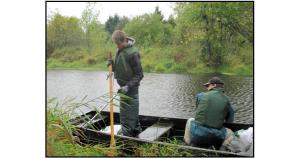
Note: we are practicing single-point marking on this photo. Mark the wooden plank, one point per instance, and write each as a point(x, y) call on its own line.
point(155, 131)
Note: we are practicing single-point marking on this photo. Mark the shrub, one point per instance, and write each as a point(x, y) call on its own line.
point(90, 59)
point(243, 70)
point(168, 64)
point(179, 68)
point(159, 68)
point(198, 69)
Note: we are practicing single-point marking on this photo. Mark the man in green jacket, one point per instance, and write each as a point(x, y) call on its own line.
point(128, 73)
point(212, 109)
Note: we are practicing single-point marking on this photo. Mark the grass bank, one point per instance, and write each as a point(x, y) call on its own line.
point(172, 60)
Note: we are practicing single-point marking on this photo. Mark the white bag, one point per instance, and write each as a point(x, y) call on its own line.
point(243, 143)
point(246, 136)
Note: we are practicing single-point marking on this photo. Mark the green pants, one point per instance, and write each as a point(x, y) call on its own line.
point(129, 115)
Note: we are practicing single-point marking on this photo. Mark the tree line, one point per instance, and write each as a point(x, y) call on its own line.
point(211, 36)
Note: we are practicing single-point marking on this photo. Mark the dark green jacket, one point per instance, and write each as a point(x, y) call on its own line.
point(213, 108)
point(127, 68)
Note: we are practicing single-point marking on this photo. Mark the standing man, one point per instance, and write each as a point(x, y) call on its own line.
point(212, 109)
point(128, 73)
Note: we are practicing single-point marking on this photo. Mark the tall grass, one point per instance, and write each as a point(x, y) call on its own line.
point(62, 137)
point(61, 140)
point(161, 150)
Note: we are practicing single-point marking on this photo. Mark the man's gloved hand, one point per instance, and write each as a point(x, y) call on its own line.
point(109, 62)
point(123, 89)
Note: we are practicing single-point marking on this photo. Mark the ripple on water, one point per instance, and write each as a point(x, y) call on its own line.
point(166, 95)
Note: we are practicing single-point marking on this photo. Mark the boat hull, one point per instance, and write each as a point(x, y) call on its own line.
point(90, 124)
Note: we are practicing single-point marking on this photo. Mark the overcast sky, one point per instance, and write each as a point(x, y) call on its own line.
point(129, 9)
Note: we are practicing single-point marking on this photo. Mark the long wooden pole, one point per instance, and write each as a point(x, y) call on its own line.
point(110, 88)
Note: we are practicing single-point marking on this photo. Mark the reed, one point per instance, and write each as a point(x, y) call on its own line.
point(62, 137)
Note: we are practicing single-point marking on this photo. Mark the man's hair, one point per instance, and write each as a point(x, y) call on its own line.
point(118, 37)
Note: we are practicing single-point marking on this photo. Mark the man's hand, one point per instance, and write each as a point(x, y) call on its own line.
point(123, 90)
point(109, 62)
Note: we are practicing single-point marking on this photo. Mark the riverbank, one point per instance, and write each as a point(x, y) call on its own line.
point(168, 59)
point(54, 64)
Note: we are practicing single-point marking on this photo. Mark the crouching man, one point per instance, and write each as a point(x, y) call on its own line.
point(212, 109)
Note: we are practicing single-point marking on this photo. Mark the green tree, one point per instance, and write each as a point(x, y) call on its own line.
point(171, 21)
point(158, 12)
point(89, 19)
point(220, 29)
point(98, 36)
point(115, 23)
point(149, 30)
point(63, 31)
point(123, 21)
point(111, 23)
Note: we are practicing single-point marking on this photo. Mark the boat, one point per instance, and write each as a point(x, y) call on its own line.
point(156, 130)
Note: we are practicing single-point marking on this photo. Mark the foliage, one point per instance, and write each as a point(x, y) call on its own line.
point(90, 60)
point(160, 150)
point(60, 140)
point(220, 28)
point(93, 29)
point(201, 37)
point(115, 23)
point(158, 12)
point(63, 31)
point(150, 30)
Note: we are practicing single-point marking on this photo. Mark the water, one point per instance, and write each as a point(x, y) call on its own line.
point(165, 95)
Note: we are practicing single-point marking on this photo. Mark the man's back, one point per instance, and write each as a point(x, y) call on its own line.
point(213, 108)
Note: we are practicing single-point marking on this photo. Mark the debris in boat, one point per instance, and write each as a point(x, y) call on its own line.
point(117, 128)
point(239, 142)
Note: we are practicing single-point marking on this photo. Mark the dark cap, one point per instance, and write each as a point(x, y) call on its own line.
point(214, 80)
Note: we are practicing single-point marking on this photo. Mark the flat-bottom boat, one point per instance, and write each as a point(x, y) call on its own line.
point(156, 130)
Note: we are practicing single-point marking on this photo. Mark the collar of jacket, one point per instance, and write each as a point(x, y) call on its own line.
point(128, 46)
point(218, 89)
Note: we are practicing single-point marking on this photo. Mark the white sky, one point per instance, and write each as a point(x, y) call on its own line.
point(128, 9)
